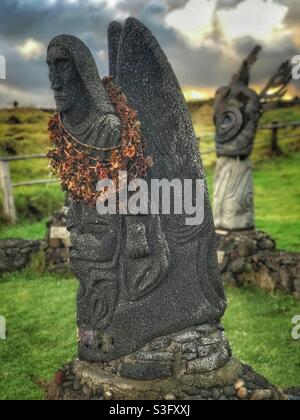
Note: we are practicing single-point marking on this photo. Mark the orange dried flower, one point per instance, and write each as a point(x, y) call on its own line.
point(130, 152)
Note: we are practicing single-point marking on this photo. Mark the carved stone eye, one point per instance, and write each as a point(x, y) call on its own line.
point(226, 120)
point(229, 124)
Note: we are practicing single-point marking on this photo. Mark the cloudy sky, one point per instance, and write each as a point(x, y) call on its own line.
point(205, 40)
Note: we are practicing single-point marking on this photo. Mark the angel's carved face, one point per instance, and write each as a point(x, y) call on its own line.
point(64, 77)
point(236, 116)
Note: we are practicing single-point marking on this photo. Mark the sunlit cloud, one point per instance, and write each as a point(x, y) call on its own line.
point(193, 93)
point(32, 49)
point(194, 20)
point(258, 18)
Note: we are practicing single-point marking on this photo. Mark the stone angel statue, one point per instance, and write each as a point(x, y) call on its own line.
point(145, 276)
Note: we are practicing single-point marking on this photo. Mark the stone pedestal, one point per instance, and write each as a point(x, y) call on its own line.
point(90, 381)
point(195, 364)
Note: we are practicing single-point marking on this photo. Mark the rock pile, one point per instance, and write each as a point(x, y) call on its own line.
point(251, 258)
point(15, 254)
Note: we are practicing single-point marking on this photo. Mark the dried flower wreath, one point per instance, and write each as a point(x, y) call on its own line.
point(79, 172)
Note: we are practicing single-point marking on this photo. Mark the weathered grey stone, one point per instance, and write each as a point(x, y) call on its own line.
point(161, 343)
point(140, 277)
point(212, 339)
point(260, 395)
point(205, 394)
point(216, 393)
point(154, 356)
point(187, 337)
point(146, 371)
point(204, 351)
point(189, 348)
point(190, 356)
point(229, 391)
point(16, 254)
point(238, 265)
point(209, 363)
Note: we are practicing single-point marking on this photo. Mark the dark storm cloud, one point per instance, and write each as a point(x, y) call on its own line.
point(42, 21)
point(269, 59)
point(206, 66)
point(228, 4)
point(176, 4)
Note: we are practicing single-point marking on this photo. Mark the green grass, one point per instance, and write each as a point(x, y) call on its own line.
point(33, 231)
point(277, 195)
point(41, 332)
point(259, 328)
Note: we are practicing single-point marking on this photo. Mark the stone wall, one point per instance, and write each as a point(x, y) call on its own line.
point(15, 254)
point(251, 258)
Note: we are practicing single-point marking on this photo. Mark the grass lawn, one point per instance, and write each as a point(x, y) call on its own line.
point(41, 332)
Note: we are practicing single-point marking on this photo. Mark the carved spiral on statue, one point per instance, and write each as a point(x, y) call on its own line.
point(229, 124)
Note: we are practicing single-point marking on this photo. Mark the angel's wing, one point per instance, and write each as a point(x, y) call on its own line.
point(152, 89)
point(146, 77)
point(243, 75)
point(276, 87)
point(114, 35)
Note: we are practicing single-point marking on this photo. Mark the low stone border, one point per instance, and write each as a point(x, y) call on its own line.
point(235, 382)
point(251, 258)
point(16, 254)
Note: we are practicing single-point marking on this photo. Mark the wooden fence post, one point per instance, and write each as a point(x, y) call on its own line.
point(275, 149)
point(9, 208)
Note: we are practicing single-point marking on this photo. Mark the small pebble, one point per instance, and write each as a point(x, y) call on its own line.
point(239, 384)
point(67, 385)
point(242, 393)
point(229, 391)
point(205, 394)
point(216, 393)
point(275, 395)
point(77, 386)
point(261, 382)
point(261, 395)
point(87, 392)
point(170, 397)
point(251, 386)
point(108, 395)
point(223, 398)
